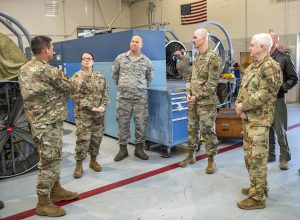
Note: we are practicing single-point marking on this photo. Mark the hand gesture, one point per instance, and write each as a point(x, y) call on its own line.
point(99, 109)
point(191, 99)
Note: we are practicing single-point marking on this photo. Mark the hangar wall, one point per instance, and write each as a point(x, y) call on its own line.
point(242, 19)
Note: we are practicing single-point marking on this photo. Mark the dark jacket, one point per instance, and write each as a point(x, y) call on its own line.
point(290, 77)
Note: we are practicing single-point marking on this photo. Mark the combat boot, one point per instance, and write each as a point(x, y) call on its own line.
point(46, 207)
point(251, 203)
point(78, 169)
point(211, 166)
point(122, 153)
point(60, 194)
point(190, 159)
point(139, 151)
point(284, 165)
point(94, 164)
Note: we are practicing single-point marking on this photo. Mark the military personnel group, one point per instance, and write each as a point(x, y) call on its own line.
point(45, 90)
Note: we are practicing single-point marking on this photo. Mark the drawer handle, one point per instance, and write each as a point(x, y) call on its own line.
point(178, 93)
point(177, 103)
point(179, 119)
point(177, 109)
point(225, 126)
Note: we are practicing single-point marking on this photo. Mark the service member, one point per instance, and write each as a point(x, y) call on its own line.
point(132, 72)
point(255, 105)
point(90, 105)
point(45, 91)
point(201, 89)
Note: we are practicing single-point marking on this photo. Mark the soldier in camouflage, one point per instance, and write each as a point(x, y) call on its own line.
point(90, 104)
point(132, 72)
point(45, 91)
point(255, 105)
point(202, 99)
point(183, 64)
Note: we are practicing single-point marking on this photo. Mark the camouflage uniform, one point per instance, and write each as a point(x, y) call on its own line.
point(202, 114)
point(184, 67)
point(45, 91)
point(90, 124)
point(132, 77)
point(222, 93)
point(222, 88)
point(257, 95)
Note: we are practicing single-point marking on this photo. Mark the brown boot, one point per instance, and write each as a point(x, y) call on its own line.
point(122, 153)
point(46, 207)
point(250, 203)
point(190, 159)
point(139, 152)
point(211, 166)
point(60, 194)
point(94, 164)
point(284, 165)
point(78, 169)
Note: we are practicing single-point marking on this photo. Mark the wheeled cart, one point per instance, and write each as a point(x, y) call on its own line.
point(167, 121)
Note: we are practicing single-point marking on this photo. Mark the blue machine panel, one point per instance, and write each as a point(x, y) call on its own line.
point(70, 69)
point(107, 47)
point(58, 54)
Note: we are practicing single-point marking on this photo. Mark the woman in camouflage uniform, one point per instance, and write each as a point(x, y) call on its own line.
point(90, 104)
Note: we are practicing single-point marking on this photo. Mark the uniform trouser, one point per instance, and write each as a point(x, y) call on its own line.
point(255, 144)
point(48, 139)
point(202, 117)
point(89, 136)
point(279, 127)
point(222, 93)
point(125, 109)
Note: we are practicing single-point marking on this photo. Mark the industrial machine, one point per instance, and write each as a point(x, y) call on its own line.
point(18, 154)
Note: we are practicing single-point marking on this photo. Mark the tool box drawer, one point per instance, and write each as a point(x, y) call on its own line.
point(228, 123)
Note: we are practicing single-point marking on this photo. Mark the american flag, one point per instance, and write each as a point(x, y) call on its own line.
point(194, 12)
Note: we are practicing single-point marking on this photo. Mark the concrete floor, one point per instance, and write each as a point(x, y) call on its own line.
point(157, 189)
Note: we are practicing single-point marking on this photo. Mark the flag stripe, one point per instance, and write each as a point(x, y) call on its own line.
point(194, 20)
point(193, 13)
point(199, 10)
point(193, 16)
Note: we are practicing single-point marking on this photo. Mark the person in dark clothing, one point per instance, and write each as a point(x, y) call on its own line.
point(279, 125)
point(1, 205)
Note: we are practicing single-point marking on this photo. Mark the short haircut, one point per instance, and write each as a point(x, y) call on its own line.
point(202, 33)
point(273, 34)
point(263, 39)
point(38, 43)
point(138, 36)
point(88, 52)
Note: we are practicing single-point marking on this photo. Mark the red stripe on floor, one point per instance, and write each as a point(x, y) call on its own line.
point(294, 126)
point(127, 181)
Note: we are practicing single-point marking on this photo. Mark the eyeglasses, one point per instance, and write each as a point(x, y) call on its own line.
point(86, 58)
